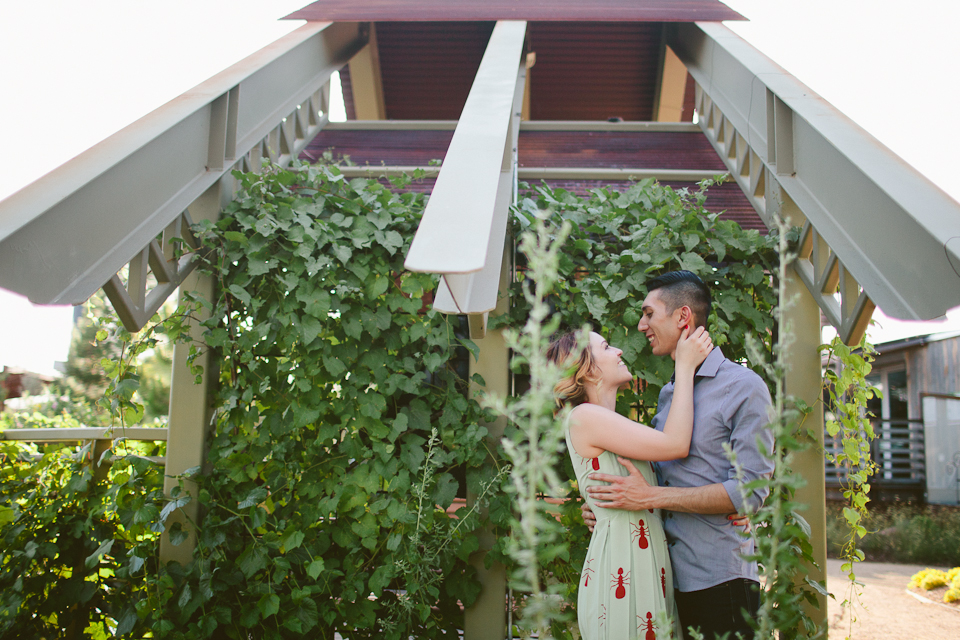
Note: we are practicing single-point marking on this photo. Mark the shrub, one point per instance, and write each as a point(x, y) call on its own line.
point(902, 532)
point(76, 550)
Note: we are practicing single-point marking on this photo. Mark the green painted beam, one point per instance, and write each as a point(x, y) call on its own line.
point(895, 232)
point(70, 232)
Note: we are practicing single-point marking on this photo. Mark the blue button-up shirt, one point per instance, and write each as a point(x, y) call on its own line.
point(730, 406)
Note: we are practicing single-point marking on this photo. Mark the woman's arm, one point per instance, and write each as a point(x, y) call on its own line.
point(595, 429)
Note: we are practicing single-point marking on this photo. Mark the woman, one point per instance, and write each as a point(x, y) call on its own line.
point(626, 585)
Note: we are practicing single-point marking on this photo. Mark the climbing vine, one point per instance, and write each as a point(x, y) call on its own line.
point(849, 422)
point(344, 440)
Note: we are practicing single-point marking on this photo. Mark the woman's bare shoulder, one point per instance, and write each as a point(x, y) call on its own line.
point(586, 411)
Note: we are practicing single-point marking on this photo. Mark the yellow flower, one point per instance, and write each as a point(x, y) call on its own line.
point(929, 579)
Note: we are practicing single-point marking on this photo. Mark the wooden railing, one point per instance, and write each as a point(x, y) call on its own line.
point(899, 454)
point(101, 438)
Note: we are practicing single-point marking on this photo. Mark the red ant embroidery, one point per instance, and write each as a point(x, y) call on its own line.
point(640, 531)
point(649, 625)
point(587, 571)
point(603, 614)
point(621, 580)
point(663, 581)
point(595, 462)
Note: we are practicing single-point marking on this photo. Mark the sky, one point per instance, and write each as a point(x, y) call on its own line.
point(71, 74)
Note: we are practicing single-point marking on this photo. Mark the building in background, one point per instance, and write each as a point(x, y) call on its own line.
point(916, 420)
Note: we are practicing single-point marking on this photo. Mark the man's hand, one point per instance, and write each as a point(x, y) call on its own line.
point(589, 518)
point(631, 492)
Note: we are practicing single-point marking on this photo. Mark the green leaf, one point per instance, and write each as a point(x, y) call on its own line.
point(178, 535)
point(315, 568)
point(269, 605)
point(334, 366)
point(252, 560)
point(311, 328)
point(240, 294)
point(292, 539)
point(343, 253)
point(94, 557)
point(253, 498)
point(377, 287)
point(128, 619)
point(185, 596)
point(307, 614)
point(445, 491)
point(819, 588)
point(236, 236)
point(392, 241)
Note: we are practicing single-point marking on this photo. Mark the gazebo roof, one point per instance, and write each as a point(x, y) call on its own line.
point(531, 10)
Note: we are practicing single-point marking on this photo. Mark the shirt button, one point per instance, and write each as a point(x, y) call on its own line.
point(666, 483)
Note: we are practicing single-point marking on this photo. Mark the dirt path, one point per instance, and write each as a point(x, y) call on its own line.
point(888, 612)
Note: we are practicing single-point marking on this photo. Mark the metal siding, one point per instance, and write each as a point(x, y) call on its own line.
point(555, 10)
point(584, 71)
point(609, 149)
point(428, 67)
point(594, 72)
point(400, 148)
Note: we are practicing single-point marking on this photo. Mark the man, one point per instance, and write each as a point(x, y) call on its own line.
point(714, 583)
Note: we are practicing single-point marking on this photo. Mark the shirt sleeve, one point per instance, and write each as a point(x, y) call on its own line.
point(751, 440)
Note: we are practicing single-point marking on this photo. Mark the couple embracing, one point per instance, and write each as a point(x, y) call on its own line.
point(666, 542)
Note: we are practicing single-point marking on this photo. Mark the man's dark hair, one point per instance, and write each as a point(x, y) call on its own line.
point(683, 288)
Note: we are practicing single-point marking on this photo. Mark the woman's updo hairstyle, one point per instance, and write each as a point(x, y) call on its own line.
point(566, 353)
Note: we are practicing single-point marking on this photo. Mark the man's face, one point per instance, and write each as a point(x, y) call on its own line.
point(661, 327)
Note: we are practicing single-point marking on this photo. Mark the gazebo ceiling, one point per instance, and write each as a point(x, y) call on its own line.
point(531, 10)
point(591, 71)
point(546, 148)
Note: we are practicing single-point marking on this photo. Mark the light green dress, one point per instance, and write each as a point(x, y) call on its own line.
point(626, 584)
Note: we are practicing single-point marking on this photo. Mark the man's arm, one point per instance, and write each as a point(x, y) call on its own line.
point(633, 493)
point(751, 441)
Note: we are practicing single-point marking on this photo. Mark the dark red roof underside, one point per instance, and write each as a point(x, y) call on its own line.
point(403, 148)
point(587, 149)
point(594, 72)
point(641, 150)
point(611, 149)
point(583, 72)
point(427, 68)
point(540, 10)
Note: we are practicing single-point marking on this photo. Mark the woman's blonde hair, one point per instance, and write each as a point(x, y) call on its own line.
point(566, 352)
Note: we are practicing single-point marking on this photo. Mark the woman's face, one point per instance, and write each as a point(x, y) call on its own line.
point(613, 371)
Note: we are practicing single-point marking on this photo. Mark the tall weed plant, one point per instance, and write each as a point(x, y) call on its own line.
point(617, 242)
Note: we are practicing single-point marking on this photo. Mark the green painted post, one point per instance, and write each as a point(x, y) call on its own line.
point(803, 380)
point(190, 410)
point(486, 619)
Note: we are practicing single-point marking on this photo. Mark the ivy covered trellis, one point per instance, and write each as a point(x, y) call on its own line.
point(343, 431)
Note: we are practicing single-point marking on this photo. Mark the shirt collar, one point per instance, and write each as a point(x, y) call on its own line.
point(709, 367)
